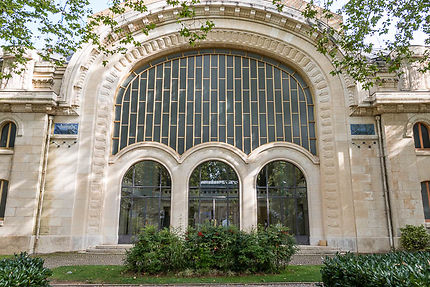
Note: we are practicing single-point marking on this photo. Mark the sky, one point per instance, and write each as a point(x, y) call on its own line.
point(419, 37)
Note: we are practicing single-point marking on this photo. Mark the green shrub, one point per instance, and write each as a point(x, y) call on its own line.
point(393, 269)
point(414, 238)
point(23, 270)
point(210, 249)
point(156, 251)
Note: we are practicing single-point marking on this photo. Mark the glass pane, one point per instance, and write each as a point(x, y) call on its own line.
point(283, 186)
point(226, 88)
point(417, 136)
point(425, 136)
point(213, 195)
point(425, 191)
point(145, 199)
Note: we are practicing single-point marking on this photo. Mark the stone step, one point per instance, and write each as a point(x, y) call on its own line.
point(114, 246)
point(109, 249)
point(317, 250)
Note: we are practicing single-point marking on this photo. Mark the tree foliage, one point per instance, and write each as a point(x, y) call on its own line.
point(65, 25)
point(352, 46)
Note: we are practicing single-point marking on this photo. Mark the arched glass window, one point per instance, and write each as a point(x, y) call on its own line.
point(213, 195)
point(3, 196)
point(213, 95)
point(8, 134)
point(145, 199)
point(425, 192)
point(421, 136)
point(282, 198)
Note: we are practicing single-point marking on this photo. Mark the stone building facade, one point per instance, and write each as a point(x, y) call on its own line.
point(91, 153)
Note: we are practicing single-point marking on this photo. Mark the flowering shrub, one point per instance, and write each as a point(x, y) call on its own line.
point(210, 248)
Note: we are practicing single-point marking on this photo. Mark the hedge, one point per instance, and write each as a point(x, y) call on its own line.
point(391, 269)
point(211, 248)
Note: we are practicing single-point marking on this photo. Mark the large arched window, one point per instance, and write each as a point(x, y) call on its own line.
point(425, 192)
point(145, 199)
point(282, 198)
point(213, 195)
point(421, 136)
point(8, 134)
point(214, 95)
point(3, 196)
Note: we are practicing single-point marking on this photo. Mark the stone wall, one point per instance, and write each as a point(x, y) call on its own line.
point(25, 169)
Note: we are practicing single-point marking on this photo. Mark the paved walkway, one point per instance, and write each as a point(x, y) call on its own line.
point(68, 259)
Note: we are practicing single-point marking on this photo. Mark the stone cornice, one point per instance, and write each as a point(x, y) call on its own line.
point(416, 97)
point(32, 102)
point(394, 102)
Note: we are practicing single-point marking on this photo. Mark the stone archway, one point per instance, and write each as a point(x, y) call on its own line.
point(290, 44)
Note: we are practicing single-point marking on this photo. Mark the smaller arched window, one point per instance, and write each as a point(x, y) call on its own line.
point(421, 136)
point(8, 134)
point(3, 195)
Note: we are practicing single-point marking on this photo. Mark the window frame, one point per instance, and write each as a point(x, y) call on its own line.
point(158, 189)
point(197, 196)
point(427, 189)
point(420, 135)
point(294, 192)
point(8, 145)
point(4, 186)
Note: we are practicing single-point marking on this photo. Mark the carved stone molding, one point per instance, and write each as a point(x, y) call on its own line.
point(408, 129)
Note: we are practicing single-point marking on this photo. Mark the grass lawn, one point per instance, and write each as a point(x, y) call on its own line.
point(114, 275)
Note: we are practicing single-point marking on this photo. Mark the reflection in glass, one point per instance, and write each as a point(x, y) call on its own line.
point(282, 198)
point(145, 199)
point(213, 195)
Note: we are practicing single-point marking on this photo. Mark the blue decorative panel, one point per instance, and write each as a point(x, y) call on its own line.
point(362, 129)
point(65, 129)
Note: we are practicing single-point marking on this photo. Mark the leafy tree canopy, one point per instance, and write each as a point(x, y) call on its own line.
point(65, 25)
point(393, 22)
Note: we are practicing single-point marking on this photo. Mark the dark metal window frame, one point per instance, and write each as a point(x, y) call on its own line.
point(425, 192)
point(294, 192)
point(214, 95)
point(160, 195)
point(230, 189)
point(3, 196)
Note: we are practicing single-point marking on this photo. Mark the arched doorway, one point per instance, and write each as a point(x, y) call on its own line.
point(145, 199)
point(213, 195)
point(282, 198)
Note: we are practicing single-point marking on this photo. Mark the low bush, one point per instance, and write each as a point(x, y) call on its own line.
point(392, 269)
point(23, 270)
point(211, 249)
point(156, 251)
point(414, 238)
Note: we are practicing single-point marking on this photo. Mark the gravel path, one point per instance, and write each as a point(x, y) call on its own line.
point(68, 259)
